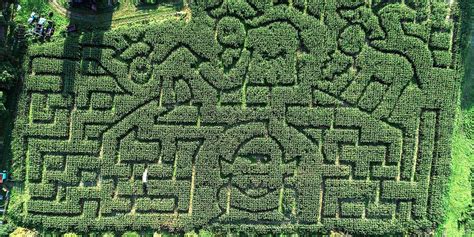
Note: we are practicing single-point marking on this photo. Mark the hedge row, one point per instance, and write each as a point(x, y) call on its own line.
point(265, 115)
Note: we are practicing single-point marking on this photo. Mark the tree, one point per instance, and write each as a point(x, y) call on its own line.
point(6, 79)
point(2, 104)
point(7, 228)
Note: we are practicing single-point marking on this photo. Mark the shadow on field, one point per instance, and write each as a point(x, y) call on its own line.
point(467, 42)
point(467, 92)
point(176, 4)
point(13, 45)
point(85, 22)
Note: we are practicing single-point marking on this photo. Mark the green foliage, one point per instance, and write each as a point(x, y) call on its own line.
point(6, 229)
point(130, 234)
point(459, 217)
point(41, 7)
point(352, 39)
point(231, 32)
point(2, 103)
point(259, 116)
point(6, 79)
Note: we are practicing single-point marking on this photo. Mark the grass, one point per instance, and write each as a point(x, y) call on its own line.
point(41, 7)
point(125, 13)
point(459, 198)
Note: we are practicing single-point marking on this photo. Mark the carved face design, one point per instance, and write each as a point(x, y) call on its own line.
point(252, 159)
point(256, 167)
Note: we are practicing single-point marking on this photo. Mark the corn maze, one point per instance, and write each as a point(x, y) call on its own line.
point(268, 116)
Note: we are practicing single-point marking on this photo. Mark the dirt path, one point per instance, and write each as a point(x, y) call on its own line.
point(69, 14)
point(105, 19)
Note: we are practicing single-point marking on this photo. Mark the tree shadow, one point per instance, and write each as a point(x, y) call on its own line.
point(467, 86)
point(89, 26)
point(175, 4)
point(467, 53)
point(13, 54)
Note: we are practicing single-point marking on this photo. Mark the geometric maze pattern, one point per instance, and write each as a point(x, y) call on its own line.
point(261, 115)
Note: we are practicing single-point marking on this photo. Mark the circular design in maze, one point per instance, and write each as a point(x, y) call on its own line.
point(140, 70)
point(352, 39)
point(231, 32)
point(257, 167)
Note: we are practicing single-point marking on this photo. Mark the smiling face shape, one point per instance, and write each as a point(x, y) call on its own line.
point(256, 166)
point(231, 32)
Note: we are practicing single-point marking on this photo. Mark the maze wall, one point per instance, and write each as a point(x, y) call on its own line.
point(255, 115)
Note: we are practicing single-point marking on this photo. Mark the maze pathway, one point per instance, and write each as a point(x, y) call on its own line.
point(255, 115)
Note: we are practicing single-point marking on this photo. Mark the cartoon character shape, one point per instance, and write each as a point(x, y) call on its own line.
point(273, 50)
point(228, 72)
point(256, 173)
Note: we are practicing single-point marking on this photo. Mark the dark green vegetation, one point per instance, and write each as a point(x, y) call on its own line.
point(262, 116)
point(8, 59)
point(12, 50)
point(459, 207)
